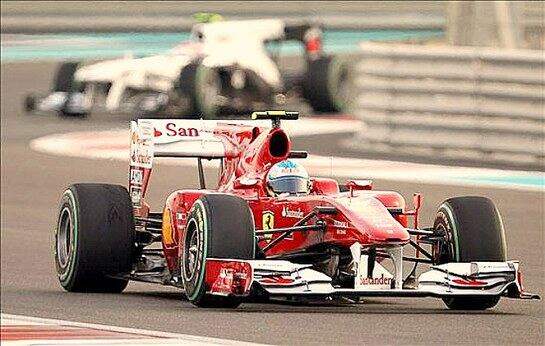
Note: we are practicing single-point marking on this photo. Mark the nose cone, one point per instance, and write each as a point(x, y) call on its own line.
point(371, 218)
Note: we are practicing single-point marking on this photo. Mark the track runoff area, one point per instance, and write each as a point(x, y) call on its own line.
point(114, 144)
point(23, 330)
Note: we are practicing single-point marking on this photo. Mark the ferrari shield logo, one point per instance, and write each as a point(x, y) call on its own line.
point(268, 222)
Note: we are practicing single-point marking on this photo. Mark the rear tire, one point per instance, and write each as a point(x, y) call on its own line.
point(201, 85)
point(474, 232)
point(326, 85)
point(94, 238)
point(218, 226)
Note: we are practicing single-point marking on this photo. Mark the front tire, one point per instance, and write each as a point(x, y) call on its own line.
point(474, 232)
point(218, 226)
point(94, 238)
point(29, 103)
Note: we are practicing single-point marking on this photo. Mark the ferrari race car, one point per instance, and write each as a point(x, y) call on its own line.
point(268, 231)
point(227, 67)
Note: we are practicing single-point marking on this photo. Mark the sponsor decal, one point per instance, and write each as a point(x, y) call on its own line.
point(171, 130)
point(224, 282)
point(137, 176)
point(141, 149)
point(166, 228)
point(136, 196)
point(340, 224)
point(231, 278)
point(492, 267)
point(268, 222)
point(296, 214)
point(380, 281)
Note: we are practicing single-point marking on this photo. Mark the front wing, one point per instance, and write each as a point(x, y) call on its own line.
point(228, 277)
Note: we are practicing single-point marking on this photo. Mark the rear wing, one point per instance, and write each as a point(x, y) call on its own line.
point(150, 138)
point(173, 138)
point(153, 138)
point(180, 138)
point(189, 138)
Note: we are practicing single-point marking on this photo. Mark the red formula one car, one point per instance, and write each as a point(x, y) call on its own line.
point(268, 230)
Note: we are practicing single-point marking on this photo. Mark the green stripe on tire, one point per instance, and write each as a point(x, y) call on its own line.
point(73, 257)
point(205, 253)
point(454, 230)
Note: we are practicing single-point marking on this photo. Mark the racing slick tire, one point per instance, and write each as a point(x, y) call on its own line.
point(64, 82)
point(474, 232)
point(201, 85)
point(29, 103)
point(218, 226)
point(325, 84)
point(94, 238)
point(64, 77)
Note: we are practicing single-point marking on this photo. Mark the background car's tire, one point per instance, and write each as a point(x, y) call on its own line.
point(94, 238)
point(64, 77)
point(64, 82)
point(218, 226)
point(29, 104)
point(201, 85)
point(474, 231)
point(149, 105)
point(325, 84)
point(71, 111)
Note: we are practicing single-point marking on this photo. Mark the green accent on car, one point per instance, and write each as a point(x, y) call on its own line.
point(205, 252)
point(205, 17)
point(336, 67)
point(73, 258)
point(454, 230)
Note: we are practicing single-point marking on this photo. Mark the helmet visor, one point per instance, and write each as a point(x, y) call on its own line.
point(291, 184)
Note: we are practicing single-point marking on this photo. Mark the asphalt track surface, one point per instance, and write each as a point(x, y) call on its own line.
point(32, 183)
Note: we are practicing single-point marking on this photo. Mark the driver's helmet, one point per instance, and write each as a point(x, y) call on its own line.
point(288, 177)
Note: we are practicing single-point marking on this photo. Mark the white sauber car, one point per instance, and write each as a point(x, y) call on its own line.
point(225, 68)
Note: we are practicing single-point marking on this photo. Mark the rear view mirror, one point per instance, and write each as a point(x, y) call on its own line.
point(360, 184)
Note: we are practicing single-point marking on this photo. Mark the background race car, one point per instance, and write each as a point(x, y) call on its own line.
point(227, 67)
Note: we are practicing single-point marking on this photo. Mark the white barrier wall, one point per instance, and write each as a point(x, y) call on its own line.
point(474, 103)
point(54, 16)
